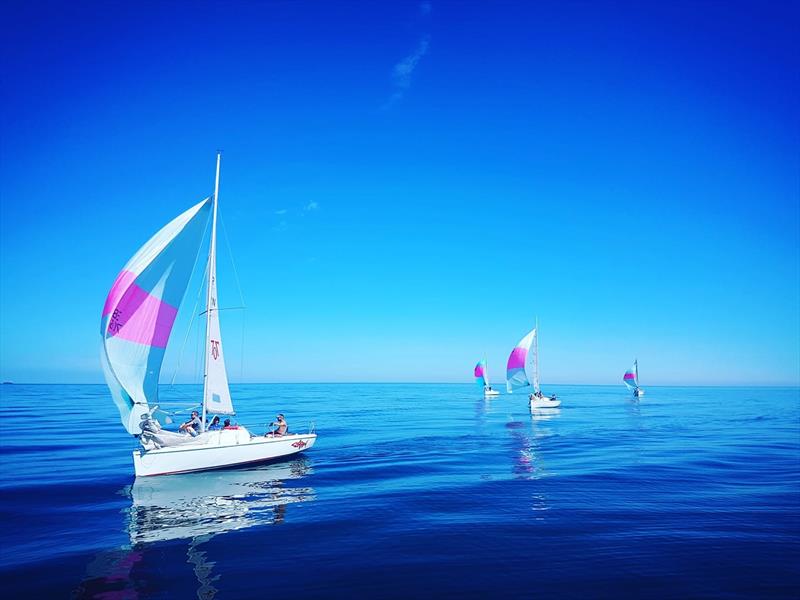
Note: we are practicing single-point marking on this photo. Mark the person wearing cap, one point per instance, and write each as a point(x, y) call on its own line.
point(281, 424)
point(193, 425)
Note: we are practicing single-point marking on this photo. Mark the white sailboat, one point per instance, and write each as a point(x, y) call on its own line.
point(137, 321)
point(517, 371)
point(631, 379)
point(482, 379)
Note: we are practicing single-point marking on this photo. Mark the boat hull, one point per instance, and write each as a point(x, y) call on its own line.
point(638, 392)
point(545, 403)
point(222, 451)
point(491, 394)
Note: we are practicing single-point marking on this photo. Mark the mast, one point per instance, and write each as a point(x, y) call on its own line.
point(212, 273)
point(636, 369)
point(536, 357)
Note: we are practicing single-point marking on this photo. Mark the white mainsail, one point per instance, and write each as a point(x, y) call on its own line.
point(216, 393)
point(140, 311)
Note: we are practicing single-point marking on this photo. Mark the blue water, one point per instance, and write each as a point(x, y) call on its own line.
point(415, 491)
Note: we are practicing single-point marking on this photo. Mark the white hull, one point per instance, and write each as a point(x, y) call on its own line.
point(217, 450)
point(545, 403)
point(638, 392)
point(490, 393)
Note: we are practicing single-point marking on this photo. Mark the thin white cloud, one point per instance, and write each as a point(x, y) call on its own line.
point(402, 72)
point(282, 211)
point(310, 206)
point(405, 68)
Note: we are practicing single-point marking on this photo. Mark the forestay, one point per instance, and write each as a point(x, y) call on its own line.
point(140, 311)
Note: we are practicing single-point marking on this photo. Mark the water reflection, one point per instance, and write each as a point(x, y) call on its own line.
point(214, 502)
point(196, 507)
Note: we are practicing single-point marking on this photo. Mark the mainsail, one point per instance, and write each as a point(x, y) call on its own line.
point(481, 375)
point(631, 377)
point(516, 377)
point(140, 311)
point(216, 394)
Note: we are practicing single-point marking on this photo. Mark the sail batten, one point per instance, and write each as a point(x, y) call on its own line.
point(140, 310)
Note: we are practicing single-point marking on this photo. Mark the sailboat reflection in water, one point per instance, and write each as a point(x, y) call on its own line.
point(215, 502)
point(196, 507)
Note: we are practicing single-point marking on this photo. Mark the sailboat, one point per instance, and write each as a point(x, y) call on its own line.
point(631, 379)
point(517, 374)
point(482, 379)
point(136, 324)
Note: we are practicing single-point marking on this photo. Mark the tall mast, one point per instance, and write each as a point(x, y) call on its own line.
point(536, 357)
point(636, 368)
point(212, 274)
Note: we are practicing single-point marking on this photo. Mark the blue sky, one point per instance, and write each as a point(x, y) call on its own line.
point(407, 186)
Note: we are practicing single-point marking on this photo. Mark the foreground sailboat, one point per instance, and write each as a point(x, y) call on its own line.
point(517, 374)
point(631, 379)
point(482, 379)
point(137, 321)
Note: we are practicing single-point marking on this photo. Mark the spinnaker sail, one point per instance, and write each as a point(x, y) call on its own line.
point(481, 375)
point(631, 377)
point(516, 376)
point(140, 311)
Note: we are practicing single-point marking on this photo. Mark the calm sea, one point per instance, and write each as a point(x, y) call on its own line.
point(414, 491)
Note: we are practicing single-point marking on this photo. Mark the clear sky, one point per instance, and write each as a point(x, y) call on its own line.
point(407, 186)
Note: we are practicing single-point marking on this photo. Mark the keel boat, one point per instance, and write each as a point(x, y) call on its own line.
point(482, 379)
point(631, 379)
point(517, 371)
point(136, 324)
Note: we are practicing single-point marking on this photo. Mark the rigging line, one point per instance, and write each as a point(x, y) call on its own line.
point(239, 287)
point(221, 309)
point(188, 331)
point(230, 254)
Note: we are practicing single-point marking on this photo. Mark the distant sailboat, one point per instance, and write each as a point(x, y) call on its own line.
point(482, 379)
point(517, 375)
point(631, 379)
point(136, 324)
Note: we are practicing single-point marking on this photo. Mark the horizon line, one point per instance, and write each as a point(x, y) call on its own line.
point(654, 385)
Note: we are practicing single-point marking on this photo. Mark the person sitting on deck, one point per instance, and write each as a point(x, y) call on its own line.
point(214, 425)
point(282, 426)
point(192, 426)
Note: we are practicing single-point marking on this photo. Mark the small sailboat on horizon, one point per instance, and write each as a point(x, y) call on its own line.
point(136, 324)
point(517, 371)
point(482, 379)
point(631, 379)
